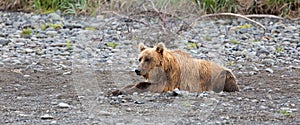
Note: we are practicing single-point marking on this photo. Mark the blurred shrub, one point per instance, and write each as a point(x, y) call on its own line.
point(90, 7)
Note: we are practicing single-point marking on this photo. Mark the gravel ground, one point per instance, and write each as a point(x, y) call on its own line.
point(61, 71)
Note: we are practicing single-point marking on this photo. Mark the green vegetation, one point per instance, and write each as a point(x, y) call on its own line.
point(112, 44)
point(89, 7)
point(191, 45)
point(230, 63)
point(285, 113)
point(279, 49)
point(76, 7)
point(26, 31)
point(214, 6)
point(234, 41)
point(90, 28)
point(69, 45)
point(208, 38)
point(186, 104)
point(54, 26)
point(245, 26)
point(66, 6)
point(256, 40)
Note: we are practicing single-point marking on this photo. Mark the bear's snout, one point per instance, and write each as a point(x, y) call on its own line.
point(137, 71)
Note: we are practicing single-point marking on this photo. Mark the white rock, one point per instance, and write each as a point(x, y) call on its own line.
point(26, 76)
point(269, 70)
point(47, 116)
point(105, 113)
point(67, 73)
point(63, 105)
point(28, 50)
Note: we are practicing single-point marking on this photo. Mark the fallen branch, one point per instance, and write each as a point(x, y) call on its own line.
point(234, 15)
point(263, 16)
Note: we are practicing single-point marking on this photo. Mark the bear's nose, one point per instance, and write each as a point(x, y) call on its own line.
point(137, 71)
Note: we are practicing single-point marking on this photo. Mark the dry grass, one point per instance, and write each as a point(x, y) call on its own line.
point(16, 5)
point(284, 8)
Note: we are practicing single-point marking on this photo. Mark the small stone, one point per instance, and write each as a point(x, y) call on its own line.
point(63, 105)
point(54, 16)
point(248, 88)
point(176, 92)
point(53, 122)
point(114, 102)
point(263, 107)
point(46, 116)
point(128, 109)
point(252, 73)
point(53, 103)
point(26, 76)
point(74, 25)
point(222, 94)
point(51, 33)
point(262, 50)
point(19, 44)
point(268, 62)
point(204, 94)
point(138, 102)
point(67, 73)
point(269, 70)
point(16, 61)
point(4, 41)
point(105, 113)
point(244, 37)
point(254, 100)
point(28, 50)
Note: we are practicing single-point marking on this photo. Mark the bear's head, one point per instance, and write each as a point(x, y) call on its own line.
point(149, 58)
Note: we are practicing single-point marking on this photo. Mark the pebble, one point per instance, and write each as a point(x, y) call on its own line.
point(46, 116)
point(105, 113)
point(4, 42)
point(239, 98)
point(139, 102)
point(28, 50)
point(262, 50)
point(51, 33)
point(268, 62)
point(53, 123)
point(269, 70)
point(67, 73)
point(114, 102)
point(55, 17)
point(254, 100)
point(63, 105)
point(176, 92)
point(26, 76)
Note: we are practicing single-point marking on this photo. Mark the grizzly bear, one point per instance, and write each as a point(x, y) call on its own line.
point(165, 70)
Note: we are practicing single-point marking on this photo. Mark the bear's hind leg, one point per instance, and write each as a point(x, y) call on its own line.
point(218, 82)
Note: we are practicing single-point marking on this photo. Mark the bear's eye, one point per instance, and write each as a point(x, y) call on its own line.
point(140, 59)
point(147, 59)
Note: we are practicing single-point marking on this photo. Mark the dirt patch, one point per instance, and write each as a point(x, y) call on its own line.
point(26, 95)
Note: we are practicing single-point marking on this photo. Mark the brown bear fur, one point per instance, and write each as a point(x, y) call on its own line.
point(165, 70)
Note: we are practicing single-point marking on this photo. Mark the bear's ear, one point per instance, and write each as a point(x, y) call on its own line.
point(142, 47)
point(160, 48)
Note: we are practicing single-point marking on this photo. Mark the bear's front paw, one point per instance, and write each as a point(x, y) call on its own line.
point(116, 93)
